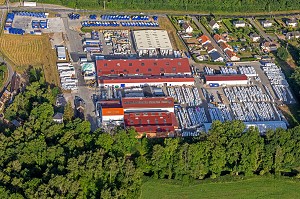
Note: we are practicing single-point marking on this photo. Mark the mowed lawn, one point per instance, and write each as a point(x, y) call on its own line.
point(267, 188)
point(30, 50)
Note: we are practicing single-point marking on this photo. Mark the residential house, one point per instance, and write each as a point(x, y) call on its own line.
point(292, 22)
point(219, 38)
point(269, 46)
point(58, 118)
point(232, 56)
point(254, 37)
point(187, 27)
point(239, 24)
point(209, 48)
point(216, 57)
point(180, 21)
point(266, 23)
point(293, 35)
point(225, 46)
point(203, 39)
point(214, 25)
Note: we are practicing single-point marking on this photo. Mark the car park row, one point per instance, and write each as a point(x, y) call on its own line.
point(185, 95)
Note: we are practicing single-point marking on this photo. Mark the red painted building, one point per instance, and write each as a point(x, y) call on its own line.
point(158, 124)
point(146, 67)
point(226, 79)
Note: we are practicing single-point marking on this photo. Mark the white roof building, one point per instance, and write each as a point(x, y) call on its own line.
point(151, 40)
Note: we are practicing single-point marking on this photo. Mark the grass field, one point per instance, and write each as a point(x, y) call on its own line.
point(29, 50)
point(257, 187)
point(166, 24)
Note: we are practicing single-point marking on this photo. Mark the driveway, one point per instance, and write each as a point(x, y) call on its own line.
point(261, 31)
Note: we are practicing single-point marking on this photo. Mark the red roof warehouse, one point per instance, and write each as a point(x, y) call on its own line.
point(148, 102)
point(143, 66)
point(151, 122)
point(225, 77)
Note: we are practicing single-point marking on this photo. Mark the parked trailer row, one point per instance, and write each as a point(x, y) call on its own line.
point(115, 17)
point(185, 95)
point(246, 94)
point(73, 16)
point(67, 76)
point(140, 24)
point(9, 20)
point(99, 23)
point(16, 31)
point(39, 24)
point(31, 14)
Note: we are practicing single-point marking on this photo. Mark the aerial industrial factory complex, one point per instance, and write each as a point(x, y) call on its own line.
point(139, 79)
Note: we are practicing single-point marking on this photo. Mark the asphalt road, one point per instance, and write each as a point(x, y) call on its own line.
point(10, 71)
point(213, 42)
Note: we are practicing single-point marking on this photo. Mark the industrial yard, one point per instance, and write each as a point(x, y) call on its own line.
point(127, 68)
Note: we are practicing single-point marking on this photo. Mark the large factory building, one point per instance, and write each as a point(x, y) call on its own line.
point(143, 67)
point(153, 116)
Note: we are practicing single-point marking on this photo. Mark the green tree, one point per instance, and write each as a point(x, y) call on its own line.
point(282, 53)
point(69, 112)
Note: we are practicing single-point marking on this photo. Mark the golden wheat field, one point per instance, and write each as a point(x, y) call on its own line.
point(30, 50)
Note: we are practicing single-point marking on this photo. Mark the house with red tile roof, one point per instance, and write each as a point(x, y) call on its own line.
point(232, 56)
point(219, 38)
point(203, 39)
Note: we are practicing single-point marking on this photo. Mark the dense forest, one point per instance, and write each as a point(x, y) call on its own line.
point(186, 5)
point(43, 159)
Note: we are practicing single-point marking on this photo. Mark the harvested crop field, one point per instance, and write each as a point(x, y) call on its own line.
point(28, 50)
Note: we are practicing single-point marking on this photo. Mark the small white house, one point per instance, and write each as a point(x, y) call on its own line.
point(239, 24)
point(292, 35)
point(266, 23)
point(292, 22)
point(214, 25)
point(187, 27)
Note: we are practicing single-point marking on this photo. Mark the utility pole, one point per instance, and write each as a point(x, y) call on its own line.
point(104, 5)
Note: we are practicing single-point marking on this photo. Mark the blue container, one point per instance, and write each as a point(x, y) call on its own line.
point(214, 85)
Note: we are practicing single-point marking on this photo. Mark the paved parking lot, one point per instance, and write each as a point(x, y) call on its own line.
point(24, 22)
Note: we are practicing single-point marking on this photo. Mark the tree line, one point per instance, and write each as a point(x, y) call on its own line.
point(184, 5)
point(43, 159)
